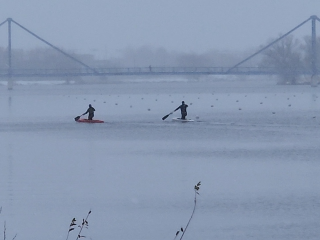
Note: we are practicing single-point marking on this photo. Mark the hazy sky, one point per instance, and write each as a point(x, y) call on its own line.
point(105, 27)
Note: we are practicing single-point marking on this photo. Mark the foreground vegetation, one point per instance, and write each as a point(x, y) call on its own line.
point(85, 224)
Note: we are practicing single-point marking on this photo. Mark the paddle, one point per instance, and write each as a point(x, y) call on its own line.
point(77, 117)
point(165, 117)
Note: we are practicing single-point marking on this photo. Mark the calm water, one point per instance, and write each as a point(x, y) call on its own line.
point(254, 145)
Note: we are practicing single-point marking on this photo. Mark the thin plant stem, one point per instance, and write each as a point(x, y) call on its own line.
point(176, 235)
point(14, 237)
point(68, 235)
point(4, 231)
point(84, 221)
point(194, 208)
point(71, 227)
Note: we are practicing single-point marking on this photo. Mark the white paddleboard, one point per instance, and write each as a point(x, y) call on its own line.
point(182, 120)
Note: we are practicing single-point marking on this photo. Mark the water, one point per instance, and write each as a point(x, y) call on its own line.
point(254, 145)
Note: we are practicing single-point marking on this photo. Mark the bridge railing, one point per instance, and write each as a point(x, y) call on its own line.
point(100, 71)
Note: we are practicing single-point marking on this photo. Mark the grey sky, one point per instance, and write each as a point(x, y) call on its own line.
point(105, 27)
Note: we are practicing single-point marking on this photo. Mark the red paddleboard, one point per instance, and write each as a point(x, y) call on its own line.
point(89, 121)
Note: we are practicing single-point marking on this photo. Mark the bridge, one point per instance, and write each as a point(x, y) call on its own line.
point(86, 70)
point(142, 71)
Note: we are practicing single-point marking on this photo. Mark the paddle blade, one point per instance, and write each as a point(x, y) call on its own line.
point(165, 117)
point(77, 118)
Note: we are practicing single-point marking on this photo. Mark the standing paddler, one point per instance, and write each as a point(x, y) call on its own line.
point(183, 108)
point(90, 110)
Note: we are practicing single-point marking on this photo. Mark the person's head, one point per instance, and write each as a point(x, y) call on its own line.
point(90, 105)
point(182, 102)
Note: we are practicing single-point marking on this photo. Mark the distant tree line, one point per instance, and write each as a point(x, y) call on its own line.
point(42, 58)
point(160, 57)
point(289, 57)
point(47, 58)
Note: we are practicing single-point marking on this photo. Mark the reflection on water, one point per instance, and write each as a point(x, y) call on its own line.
point(10, 170)
point(314, 97)
point(258, 165)
point(9, 101)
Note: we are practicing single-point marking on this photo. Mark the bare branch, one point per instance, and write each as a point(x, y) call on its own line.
point(14, 237)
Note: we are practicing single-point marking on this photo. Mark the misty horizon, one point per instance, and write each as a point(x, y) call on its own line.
point(105, 29)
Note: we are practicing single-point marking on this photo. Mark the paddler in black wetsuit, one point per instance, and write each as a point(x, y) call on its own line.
point(90, 111)
point(183, 108)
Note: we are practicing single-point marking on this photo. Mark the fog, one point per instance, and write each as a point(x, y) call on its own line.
point(254, 145)
point(105, 28)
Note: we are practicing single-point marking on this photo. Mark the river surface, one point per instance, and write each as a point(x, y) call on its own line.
point(254, 146)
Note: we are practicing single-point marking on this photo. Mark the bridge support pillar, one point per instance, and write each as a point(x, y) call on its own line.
point(314, 77)
point(10, 82)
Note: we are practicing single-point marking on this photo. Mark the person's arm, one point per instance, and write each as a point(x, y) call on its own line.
point(86, 112)
point(177, 108)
